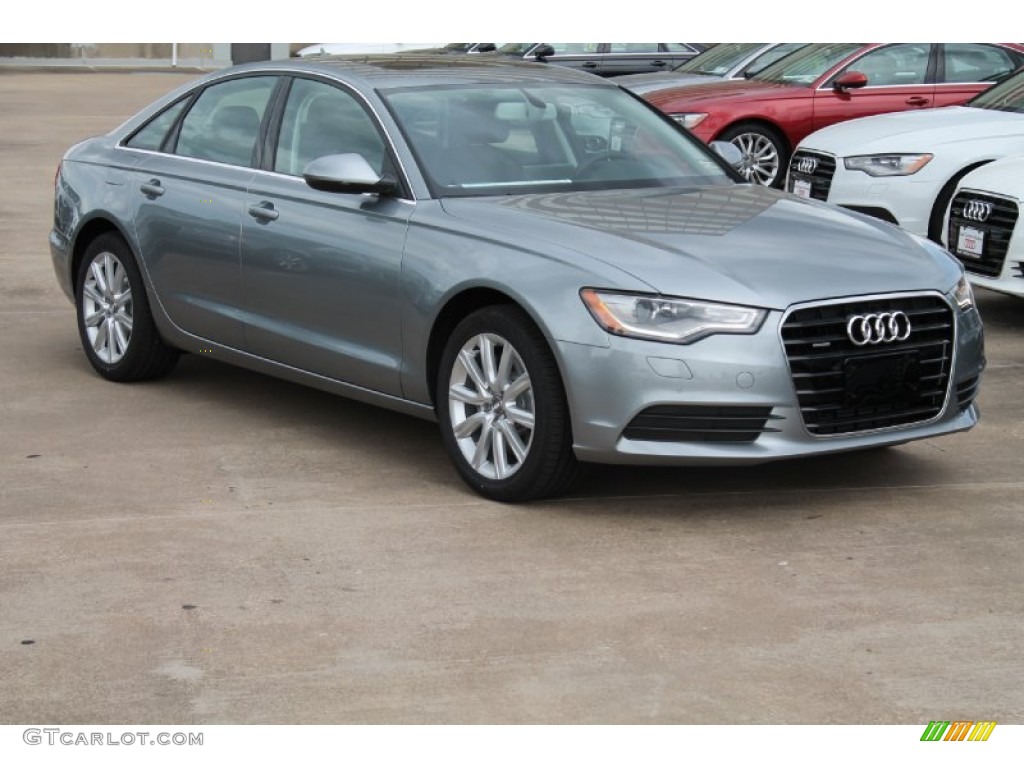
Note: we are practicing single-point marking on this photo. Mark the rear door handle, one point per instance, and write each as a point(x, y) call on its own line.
point(263, 211)
point(659, 63)
point(590, 64)
point(917, 101)
point(152, 188)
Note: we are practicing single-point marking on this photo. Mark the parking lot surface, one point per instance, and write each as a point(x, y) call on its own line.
point(223, 547)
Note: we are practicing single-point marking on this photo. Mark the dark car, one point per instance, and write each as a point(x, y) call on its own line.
point(607, 59)
point(821, 84)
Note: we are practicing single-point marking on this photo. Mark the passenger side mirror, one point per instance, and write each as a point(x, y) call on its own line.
point(542, 52)
point(728, 152)
point(347, 173)
point(849, 80)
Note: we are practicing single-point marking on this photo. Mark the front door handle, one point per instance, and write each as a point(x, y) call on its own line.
point(590, 64)
point(152, 188)
point(263, 211)
point(917, 101)
point(659, 63)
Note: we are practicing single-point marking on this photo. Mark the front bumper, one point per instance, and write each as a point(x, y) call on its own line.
point(609, 387)
point(903, 200)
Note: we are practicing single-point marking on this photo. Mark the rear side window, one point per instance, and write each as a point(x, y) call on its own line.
point(633, 48)
point(224, 123)
point(152, 134)
point(977, 63)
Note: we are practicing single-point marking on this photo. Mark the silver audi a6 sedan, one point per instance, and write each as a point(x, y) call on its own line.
point(532, 256)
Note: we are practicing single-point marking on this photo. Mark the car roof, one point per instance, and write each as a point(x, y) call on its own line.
point(415, 69)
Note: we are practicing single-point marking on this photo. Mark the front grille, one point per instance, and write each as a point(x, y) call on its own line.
point(700, 424)
point(966, 391)
point(997, 229)
point(828, 369)
point(820, 179)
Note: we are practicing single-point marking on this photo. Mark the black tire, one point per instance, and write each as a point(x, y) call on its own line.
point(140, 353)
point(548, 465)
point(744, 135)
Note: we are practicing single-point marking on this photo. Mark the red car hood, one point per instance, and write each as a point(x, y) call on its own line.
point(700, 96)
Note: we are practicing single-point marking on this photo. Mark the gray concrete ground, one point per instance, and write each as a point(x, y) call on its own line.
point(222, 547)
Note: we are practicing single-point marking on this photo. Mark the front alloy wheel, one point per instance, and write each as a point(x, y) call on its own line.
point(490, 403)
point(502, 408)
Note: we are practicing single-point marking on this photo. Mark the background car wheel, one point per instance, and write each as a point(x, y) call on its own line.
point(114, 321)
point(765, 153)
point(502, 409)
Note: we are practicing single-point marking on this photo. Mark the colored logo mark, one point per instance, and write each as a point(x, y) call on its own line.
point(958, 730)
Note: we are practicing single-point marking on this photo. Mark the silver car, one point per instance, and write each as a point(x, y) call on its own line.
point(548, 267)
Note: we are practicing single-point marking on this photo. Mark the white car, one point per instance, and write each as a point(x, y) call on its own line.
point(983, 229)
point(903, 167)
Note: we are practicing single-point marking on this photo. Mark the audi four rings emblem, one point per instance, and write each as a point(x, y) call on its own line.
point(884, 328)
point(977, 210)
point(807, 165)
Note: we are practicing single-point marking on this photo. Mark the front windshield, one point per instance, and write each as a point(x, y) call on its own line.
point(769, 57)
point(806, 65)
point(505, 139)
point(718, 59)
point(516, 49)
point(1007, 96)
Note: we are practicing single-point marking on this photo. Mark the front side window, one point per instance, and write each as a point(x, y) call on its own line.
point(576, 49)
point(224, 123)
point(321, 119)
point(904, 64)
point(494, 140)
point(978, 63)
point(152, 134)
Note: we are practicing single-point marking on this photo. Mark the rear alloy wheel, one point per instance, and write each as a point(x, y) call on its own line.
point(765, 154)
point(114, 323)
point(502, 410)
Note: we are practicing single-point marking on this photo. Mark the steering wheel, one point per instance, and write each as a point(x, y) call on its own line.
point(592, 164)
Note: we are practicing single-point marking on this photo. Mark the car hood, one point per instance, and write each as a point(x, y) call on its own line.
point(916, 131)
point(656, 81)
point(737, 243)
point(703, 95)
point(1004, 177)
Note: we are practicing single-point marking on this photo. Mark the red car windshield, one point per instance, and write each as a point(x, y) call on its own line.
point(806, 65)
point(1007, 96)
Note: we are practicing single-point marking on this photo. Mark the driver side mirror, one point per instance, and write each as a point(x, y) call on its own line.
point(541, 53)
point(849, 80)
point(347, 173)
point(728, 152)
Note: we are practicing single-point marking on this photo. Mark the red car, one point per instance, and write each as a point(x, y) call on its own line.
point(767, 115)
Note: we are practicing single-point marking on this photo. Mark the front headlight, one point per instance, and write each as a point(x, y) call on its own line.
point(963, 294)
point(887, 165)
point(677, 321)
point(689, 119)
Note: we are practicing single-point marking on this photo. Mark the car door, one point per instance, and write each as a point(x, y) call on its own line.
point(900, 77)
point(966, 69)
point(189, 194)
point(635, 59)
point(320, 270)
point(585, 56)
